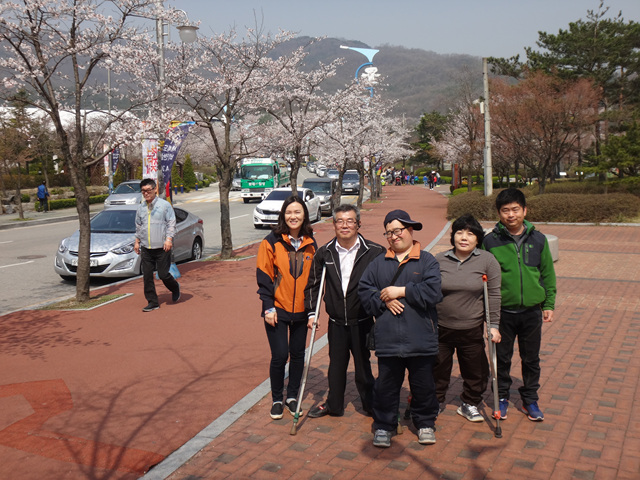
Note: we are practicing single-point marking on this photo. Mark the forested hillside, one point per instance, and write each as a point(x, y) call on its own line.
point(420, 80)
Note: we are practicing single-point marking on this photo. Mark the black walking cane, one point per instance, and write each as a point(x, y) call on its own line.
point(492, 361)
point(294, 427)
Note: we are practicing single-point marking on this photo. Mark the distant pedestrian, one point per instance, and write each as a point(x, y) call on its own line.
point(345, 258)
point(401, 290)
point(432, 179)
point(43, 196)
point(528, 297)
point(285, 258)
point(155, 228)
point(461, 315)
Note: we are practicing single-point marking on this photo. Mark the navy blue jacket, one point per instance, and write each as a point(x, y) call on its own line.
point(415, 331)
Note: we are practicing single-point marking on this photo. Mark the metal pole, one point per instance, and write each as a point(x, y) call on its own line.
point(488, 170)
point(161, 82)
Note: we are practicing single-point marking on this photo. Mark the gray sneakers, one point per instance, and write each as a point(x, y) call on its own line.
point(382, 438)
point(426, 436)
point(470, 412)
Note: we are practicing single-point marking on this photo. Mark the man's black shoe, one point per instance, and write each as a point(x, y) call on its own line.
point(319, 411)
point(175, 296)
point(150, 308)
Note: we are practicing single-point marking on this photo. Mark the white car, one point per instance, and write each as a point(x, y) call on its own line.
point(267, 211)
point(321, 170)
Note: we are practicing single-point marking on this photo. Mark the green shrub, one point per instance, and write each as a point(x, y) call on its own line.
point(552, 207)
point(475, 203)
point(71, 202)
point(188, 175)
point(25, 198)
point(97, 199)
point(569, 207)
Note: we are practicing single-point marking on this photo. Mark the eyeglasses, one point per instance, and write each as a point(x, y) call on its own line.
point(396, 231)
point(147, 190)
point(349, 221)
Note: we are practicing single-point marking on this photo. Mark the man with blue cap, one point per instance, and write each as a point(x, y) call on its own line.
point(401, 290)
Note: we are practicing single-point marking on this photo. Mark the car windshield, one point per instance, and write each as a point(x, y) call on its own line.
point(127, 188)
point(280, 195)
point(114, 221)
point(257, 172)
point(351, 177)
point(333, 172)
point(318, 187)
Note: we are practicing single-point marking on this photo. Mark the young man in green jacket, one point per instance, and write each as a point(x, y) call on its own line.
point(528, 297)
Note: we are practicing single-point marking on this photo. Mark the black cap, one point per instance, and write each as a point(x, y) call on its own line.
point(403, 217)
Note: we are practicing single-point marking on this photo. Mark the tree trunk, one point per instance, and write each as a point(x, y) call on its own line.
point(84, 243)
point(224, 187)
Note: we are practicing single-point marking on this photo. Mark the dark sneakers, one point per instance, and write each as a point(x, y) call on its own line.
point(533, 412)
point(276, 410)
point(175, 296)
point(150, 308)
point(382, 438)
point(292, 405)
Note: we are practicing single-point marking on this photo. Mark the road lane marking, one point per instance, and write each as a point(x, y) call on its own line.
point(8, 241)
point(240, 216)
point(16, 264)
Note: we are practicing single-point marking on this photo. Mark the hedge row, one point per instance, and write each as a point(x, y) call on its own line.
point(71, 202)
point(553, 207)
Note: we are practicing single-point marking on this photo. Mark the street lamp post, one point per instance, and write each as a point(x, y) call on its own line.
point(371, 71)
point(488, 169)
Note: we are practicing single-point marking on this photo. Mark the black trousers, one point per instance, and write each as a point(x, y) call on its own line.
point(343, 341)
point(386, 391)
point(156, 259)
point(527, 326)
point(474, 367)
point(286, 340)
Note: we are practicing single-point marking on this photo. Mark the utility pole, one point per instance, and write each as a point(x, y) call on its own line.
point(488, 170)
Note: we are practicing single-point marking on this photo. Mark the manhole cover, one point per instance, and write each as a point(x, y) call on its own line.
point(31, 257)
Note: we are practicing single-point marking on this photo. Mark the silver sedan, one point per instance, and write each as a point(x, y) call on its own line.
point(112, 237)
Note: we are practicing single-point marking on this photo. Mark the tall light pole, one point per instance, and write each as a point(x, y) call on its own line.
point(488, 169)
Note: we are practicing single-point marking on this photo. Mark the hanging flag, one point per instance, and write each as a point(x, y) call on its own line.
point(150, 158)
point(172, 143)
point(115, 158)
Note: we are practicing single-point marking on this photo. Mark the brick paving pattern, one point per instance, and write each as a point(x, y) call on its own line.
point(590, 368)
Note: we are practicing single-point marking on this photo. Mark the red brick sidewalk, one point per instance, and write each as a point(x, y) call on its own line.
point(590, 369)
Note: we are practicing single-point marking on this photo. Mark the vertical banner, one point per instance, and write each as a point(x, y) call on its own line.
point(172, 143)
point(115, 158)
point(150, 158)
point(106, 161)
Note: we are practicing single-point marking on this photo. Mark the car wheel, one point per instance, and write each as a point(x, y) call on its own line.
point(319, 215)
point(246, 200)
point(68, 278)
point(256, 226)
point(196, 249)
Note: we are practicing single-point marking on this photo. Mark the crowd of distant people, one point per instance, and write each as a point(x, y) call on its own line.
point(394, 176)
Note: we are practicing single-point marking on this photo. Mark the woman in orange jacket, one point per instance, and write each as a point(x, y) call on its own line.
point(284, 261)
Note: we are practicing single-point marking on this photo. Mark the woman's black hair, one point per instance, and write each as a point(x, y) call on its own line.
point(283, 228)
point(467, 222)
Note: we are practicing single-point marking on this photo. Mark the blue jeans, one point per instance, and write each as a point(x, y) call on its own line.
point(386, 391)
point(286, 339)
point(527, 326)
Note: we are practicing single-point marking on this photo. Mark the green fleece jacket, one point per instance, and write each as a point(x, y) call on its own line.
point(528, 276)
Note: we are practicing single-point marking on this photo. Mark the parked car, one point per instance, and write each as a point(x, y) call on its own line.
point(112, 238)
point(127, 193)
point(351, 182)
point(267, 211)
point(321, 170)
point(333, 173)
point(311, 167)
point(236, 183)
point(324, 189)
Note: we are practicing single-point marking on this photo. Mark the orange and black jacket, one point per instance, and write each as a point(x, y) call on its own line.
point(282, 274)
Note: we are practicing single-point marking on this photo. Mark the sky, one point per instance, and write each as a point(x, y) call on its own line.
point(484, 28)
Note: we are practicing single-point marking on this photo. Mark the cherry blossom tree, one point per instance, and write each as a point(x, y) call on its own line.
point(221, 82)
point(299, 106)
point(59, 52)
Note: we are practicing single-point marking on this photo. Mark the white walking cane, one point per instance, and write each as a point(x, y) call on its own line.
point(493, 362)
point(307, 361)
